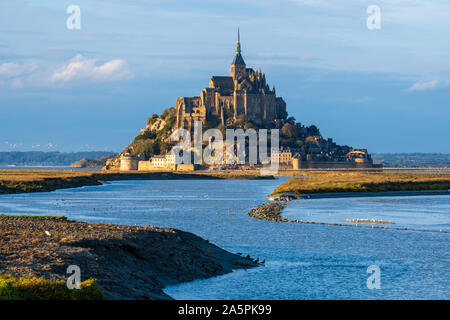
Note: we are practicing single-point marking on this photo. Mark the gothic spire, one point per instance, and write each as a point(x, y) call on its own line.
point(238, 60)
point(238, 46)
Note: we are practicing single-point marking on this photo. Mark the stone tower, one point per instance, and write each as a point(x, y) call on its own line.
point(244, 95)
point(238, 64)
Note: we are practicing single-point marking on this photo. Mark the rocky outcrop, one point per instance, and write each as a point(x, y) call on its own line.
point(112, 164)
point(157, 126)
point(97, 163)
point(270, 211)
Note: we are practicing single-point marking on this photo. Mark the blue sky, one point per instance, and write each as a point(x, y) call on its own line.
point(387, 90)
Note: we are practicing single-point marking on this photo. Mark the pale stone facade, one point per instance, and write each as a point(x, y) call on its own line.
point(127, 163)
point(159, 162)
point(282, 156)
point(170, 159)
point(358, 156)
point(296, 164)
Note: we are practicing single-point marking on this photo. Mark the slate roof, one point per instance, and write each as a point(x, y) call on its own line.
point(223, 82)
point(238, 60)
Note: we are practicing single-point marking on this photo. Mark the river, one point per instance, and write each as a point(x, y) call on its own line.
point(303, 261)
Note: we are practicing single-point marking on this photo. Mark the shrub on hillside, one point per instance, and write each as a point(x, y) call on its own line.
point(27, 288)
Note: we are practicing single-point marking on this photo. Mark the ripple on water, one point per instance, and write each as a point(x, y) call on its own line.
point(302, 261)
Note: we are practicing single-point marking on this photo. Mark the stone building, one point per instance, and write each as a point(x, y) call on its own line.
point(281, 156)
point(162, 161)
point(244, 95)
point(359, 156)
point(158, 161)
point(128, 162)
point(296, 163)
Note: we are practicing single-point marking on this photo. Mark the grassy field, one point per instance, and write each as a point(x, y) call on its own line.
point(33, 175)
point(330, 182)
point(30, 288)
point(17, 181)
point(20, 181)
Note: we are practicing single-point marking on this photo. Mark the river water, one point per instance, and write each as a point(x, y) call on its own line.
point(303, 261)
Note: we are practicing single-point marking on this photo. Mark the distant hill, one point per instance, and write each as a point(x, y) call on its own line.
point(412, 160)
point(39, 158)
point(96, 163)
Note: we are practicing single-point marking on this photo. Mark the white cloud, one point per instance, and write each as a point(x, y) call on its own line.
point(424, 86)
point(78, 70)
point(11, 70)
point(13, 74)
point(82, 69)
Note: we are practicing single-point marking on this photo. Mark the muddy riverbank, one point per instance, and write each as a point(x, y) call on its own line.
point(25, 181)
point(127, 262)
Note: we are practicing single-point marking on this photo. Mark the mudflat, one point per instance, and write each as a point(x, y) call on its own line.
point(127, 262)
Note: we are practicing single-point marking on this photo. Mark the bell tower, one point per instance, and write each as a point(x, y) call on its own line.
point(238, 64)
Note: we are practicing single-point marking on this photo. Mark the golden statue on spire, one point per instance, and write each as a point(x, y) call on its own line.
point(238, 47)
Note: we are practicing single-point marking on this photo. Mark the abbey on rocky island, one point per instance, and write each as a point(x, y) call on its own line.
point(244, 95)
point(242, 100)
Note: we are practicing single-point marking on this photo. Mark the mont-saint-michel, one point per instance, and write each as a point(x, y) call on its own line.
point(229, 191)
point(243, 100)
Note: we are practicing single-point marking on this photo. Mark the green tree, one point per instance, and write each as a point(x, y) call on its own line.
point(169, 112)
point(151, 120)
point(313, 130)
point(291, 120)
point(290, 130)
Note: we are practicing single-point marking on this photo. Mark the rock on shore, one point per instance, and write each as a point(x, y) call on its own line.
point(97, 163)
point(270, 211)
point(128, 262)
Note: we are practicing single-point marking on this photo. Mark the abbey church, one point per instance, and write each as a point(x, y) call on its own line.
point(244, 94)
